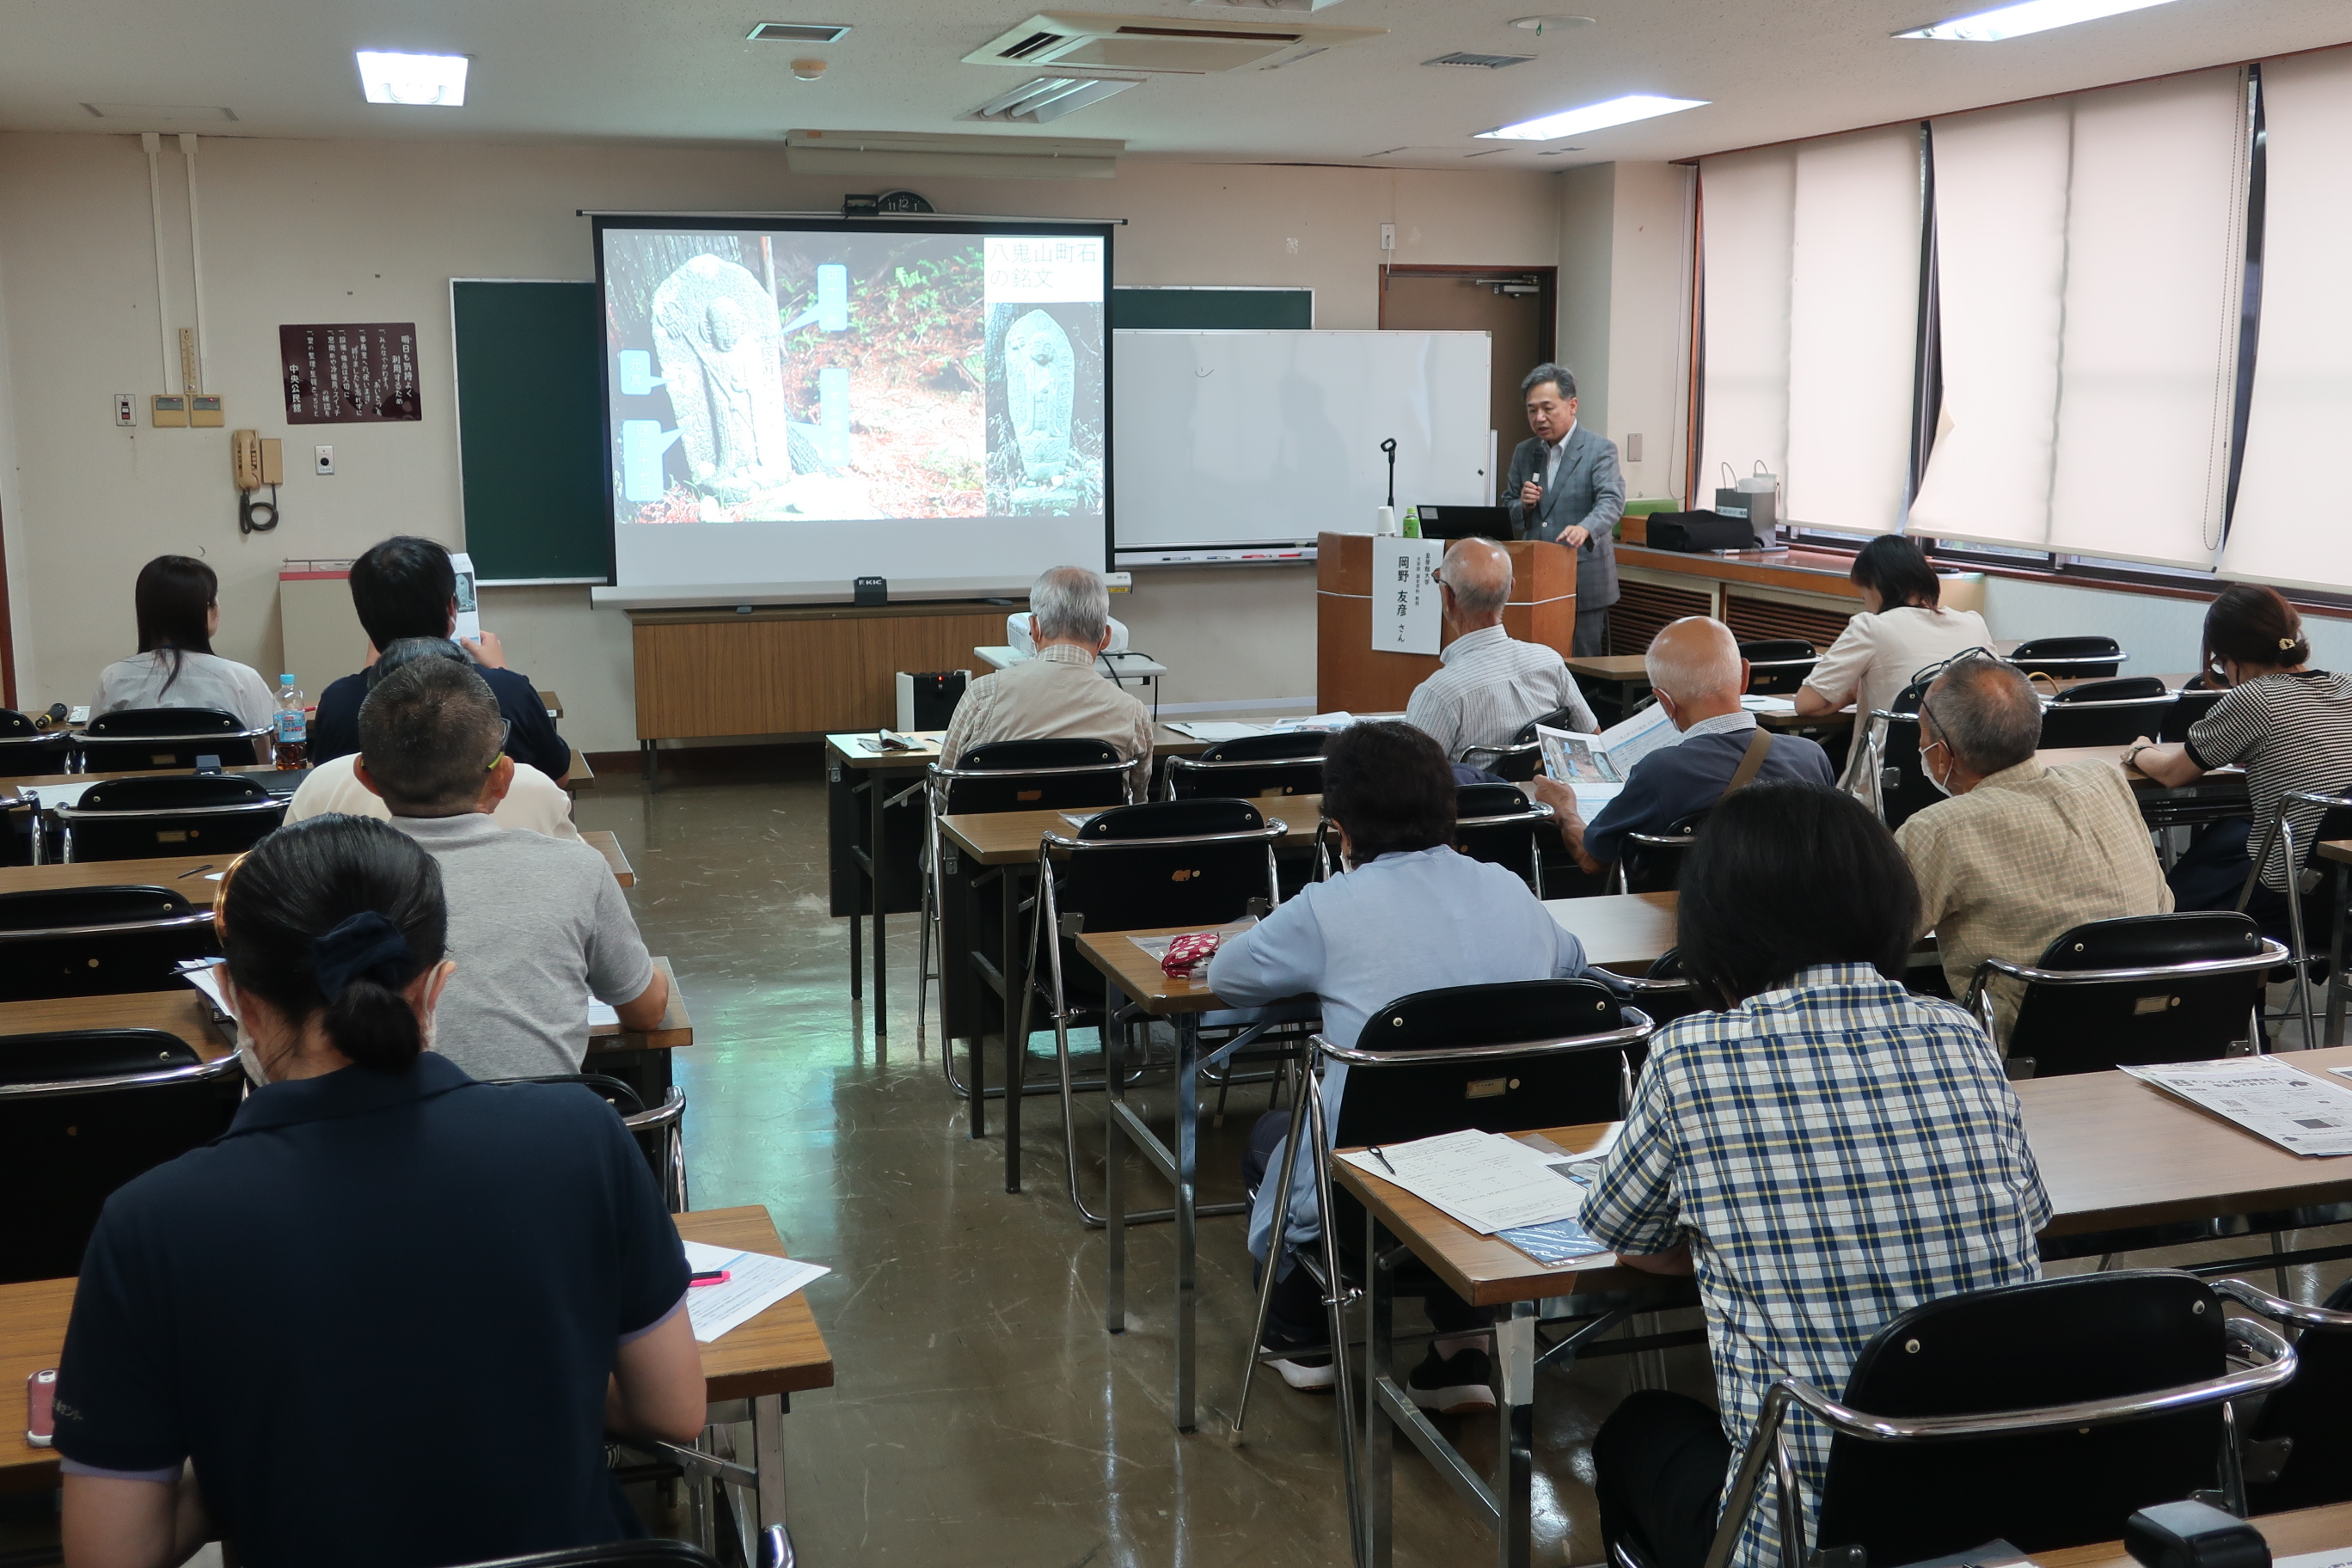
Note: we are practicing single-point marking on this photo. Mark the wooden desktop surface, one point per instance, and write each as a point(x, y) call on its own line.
point(1140, 979)
point(186, 874)
point(1620, 931)
point(1011, 838)
point(9, 787)
point(185, 1011)
point(2337, 849)
point(853, 748)
point(779, 1351)
point(2325, 1529)
point(2114, 1153)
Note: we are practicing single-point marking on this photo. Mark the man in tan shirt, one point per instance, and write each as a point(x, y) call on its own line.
point(1058, 694)
point(2023, 853)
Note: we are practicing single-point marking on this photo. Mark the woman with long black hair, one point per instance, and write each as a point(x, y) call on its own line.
point(177, 599)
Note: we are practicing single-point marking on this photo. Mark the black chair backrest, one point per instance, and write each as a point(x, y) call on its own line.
point(1393, 1104)
point(2108, 713)
point(1778, 665)
point(2068, 655)
point(1134, 886)
point(1903, 787)
point(2310, 1410)
point(25, 751)
point(132, 739)
point(613, 1554)
point(2194, 703)
point(175, 814)
point(1268, 748)
point(1293, 764)
point(38, 959)
point(62, 1155)
point(1658, 868)
point(2016, 1347)
point(1511, 843)
point(1558, 719)
point(2091, 1026)
point(1023, 788)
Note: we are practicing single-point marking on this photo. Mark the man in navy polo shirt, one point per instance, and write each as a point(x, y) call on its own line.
point(406, 587)
point(1696, 670)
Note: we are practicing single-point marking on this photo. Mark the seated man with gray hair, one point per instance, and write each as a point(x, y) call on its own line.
point(1695, 669)
point(2023, 853)
point(1059, 694)
point(536, 925)
point(1487, 685)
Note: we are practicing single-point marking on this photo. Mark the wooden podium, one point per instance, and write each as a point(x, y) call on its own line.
point(1352, 676)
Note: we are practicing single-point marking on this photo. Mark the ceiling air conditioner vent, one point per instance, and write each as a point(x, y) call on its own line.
point(1078, 43)
point(1488, 62)
point(798, 33)
point(1049, 97)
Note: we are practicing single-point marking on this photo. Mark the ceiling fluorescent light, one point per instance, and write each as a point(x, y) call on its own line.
point(413, 79)
point(1593, 116)
point(2032, 16)
point(1049, 97)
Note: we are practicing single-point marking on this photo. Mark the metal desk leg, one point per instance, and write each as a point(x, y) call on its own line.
point(1114, 1176)
point(1188, 1138)
point(1379, 1442)
point(878, 791)
point(1016, 1049)
point(1514, 1356)
point(767, 1459)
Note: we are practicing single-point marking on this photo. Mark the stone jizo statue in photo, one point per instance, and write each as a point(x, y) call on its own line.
point(722, 352)
point(1038, 371)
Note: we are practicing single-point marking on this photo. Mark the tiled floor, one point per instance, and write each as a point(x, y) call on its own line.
point(981, 1414)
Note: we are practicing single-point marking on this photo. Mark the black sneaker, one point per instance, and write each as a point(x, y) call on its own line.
point(1453, 1386)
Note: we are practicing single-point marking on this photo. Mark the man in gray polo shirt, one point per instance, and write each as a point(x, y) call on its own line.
point(536, 925)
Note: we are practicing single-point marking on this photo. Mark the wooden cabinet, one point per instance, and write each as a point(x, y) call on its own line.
point(1353, 676)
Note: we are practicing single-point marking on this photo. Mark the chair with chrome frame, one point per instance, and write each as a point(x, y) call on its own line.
point(1251, 766)
point(2108, 713)
point(1205, 863)
point(2063, 659)
point(168, 740)
point(657, 1129)
point(1652, 862)
point(643, 1553)
point(1523, 758)
point(1511, 1057)
point(1778, 665)
point(1497, 824)
point(168, 813)
point(2299, 1451)
point(2191, 703)
point(2042, 1414)
point(20, 829)
point(2303, 881)
point(1005, 775)
point(98, 942)
point(2132, 991)
point(27, 750)
point(81, 1114)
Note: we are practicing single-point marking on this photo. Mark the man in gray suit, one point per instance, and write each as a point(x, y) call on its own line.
point(1564, 486)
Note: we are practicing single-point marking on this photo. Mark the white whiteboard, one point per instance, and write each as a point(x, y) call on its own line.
point(1226, 443)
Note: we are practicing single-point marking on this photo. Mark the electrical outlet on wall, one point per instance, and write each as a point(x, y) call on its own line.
point(322, 459)
point(126, 410)
point(1387, 236)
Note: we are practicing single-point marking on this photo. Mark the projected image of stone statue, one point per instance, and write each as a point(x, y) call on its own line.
point(721, 350)
point(1046, 457)
point(1037, 376)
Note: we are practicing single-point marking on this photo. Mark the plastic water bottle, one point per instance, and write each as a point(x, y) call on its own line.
point(293, 728)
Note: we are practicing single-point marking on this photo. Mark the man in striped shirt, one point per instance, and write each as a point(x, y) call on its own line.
point(1487, 686)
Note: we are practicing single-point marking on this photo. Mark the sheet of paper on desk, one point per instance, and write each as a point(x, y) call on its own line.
point(1761, 702)
point(53, 798)
point(600, 1014)
point(1079, 819)
point(759, 1282)
point(2340, 1557)
point(1312, 722)
point(2294, 1110)
point(1219, 730)
point(1482, 1180)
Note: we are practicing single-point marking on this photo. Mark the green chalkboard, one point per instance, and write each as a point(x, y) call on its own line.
point(1213, 310)
point(531, 430)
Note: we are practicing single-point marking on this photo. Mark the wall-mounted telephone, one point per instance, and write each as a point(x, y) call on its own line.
point(256, 462)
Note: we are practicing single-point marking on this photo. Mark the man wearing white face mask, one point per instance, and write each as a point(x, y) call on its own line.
point(2023, 853)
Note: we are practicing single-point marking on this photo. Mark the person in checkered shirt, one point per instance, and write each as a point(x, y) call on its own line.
point(1826, 1151)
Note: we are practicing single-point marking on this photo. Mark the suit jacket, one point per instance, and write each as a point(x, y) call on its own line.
point(1588, 491)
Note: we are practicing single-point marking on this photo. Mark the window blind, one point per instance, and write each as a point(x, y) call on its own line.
point(2089, 256)
point(1747, 209)
point(2294, 521)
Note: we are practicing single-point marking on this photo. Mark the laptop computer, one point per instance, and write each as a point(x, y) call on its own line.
point(1464, 521)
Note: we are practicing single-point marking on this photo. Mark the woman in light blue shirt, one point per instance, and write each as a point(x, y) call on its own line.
point(1410, 914)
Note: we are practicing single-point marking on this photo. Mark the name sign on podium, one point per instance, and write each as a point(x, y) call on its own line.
point(1406, 614)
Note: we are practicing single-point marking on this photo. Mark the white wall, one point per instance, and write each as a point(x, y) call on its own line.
point(1625, 293)
point(368, 231)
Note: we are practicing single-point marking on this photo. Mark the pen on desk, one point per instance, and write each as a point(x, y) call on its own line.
point(1383, 1159)
point(191, 872)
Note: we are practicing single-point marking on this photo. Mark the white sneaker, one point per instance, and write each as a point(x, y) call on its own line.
point(1309, 1375)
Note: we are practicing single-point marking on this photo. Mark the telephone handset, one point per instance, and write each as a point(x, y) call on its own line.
point(255, 462)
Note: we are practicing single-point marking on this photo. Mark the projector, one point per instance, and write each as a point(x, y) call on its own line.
point(1016, 632)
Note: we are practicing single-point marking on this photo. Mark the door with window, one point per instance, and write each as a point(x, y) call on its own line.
point(1515, 306)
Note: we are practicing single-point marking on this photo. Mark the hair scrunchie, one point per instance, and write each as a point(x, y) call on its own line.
point(366, 943)
point(2286, 643)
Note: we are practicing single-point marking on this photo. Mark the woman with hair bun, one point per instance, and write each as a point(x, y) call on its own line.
point(390, 1316)
point(2288, 724)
